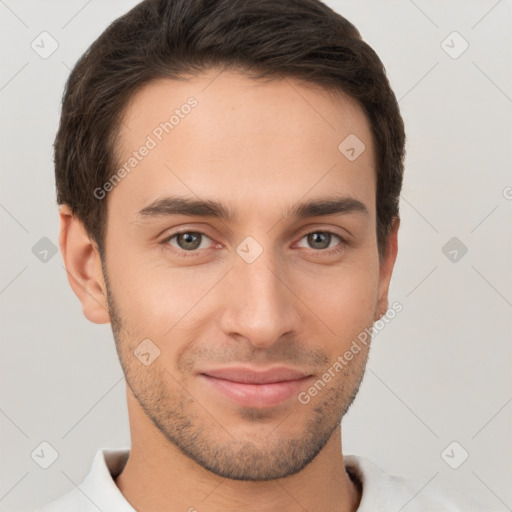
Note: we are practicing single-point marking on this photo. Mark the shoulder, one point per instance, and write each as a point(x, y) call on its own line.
point(74, 501)
point(382, 491)
point(98, 490)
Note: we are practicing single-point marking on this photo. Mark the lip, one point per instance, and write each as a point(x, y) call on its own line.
point(256, 388)
point(248, 375)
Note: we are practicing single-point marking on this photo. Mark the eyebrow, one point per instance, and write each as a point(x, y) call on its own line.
point(174, 205)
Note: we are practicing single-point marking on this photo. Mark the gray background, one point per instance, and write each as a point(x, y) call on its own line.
point(438, 373)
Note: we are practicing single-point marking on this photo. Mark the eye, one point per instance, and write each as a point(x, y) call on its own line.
point(187, 242)
point(190, 243)
point(321, 240)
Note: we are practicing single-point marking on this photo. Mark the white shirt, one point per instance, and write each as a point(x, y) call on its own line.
point(380, 492)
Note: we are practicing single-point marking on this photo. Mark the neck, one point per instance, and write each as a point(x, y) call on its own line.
point(158, 476)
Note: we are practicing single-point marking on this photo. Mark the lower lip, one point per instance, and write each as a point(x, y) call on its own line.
point(256, 395)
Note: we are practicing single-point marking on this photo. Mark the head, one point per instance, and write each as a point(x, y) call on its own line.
point(229, 174)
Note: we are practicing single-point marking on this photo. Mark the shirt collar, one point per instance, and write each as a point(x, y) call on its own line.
point(100, 488)
point(99, 485)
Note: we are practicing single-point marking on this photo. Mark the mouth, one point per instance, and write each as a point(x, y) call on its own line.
point(247, 387)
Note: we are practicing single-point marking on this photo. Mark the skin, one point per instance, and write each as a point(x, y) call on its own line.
point(258, 147)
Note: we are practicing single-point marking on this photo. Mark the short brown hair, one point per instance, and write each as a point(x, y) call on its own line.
point(302, 39)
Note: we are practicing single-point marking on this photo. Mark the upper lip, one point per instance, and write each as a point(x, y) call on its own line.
point(249, 375)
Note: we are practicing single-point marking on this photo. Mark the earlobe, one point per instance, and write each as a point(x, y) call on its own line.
point(386, 269)
point(83, 267)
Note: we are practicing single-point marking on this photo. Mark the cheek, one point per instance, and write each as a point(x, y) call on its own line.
point(343, 300)
point(353, 296)
point(158, 301)
point(154, 298)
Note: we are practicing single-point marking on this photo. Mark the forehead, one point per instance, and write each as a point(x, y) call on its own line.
point(246, 142)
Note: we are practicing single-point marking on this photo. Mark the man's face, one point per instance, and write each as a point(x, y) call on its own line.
point(261, 290)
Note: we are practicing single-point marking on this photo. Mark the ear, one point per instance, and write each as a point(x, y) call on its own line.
point(83, 267)
point(386, 269)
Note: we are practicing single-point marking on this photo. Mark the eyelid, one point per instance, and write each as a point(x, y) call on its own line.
point(325, 231)
point(322, 228)
point(343, 234)
point(305, 231)
point(165, 243)
point(166, 240)
point(330, 251)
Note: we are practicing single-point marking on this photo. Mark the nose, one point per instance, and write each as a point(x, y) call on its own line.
point(261, 305)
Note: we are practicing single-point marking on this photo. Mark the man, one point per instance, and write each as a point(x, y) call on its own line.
point(228, 174)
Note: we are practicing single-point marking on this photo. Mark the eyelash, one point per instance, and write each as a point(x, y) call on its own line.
point(187, 254)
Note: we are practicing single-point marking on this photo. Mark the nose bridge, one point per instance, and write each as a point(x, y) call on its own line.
point(260, 306)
